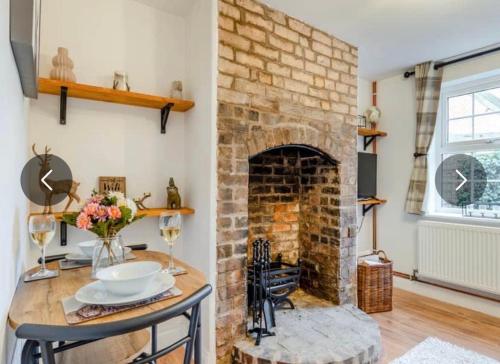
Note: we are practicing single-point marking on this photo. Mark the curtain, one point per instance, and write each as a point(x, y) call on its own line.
point(428, 87)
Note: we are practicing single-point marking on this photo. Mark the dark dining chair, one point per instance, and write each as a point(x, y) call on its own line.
point(41, 338)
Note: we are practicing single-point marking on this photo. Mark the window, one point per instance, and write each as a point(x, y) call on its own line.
point(469, 123)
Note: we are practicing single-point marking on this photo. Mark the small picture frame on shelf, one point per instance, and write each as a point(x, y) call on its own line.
point(112, 184)
point(361, 121)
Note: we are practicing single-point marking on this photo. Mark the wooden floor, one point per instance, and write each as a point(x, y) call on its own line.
point(177, 357)
point(415, 318)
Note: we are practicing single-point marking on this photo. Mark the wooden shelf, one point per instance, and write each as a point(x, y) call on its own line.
point(88, 92)
point(371, 132)
point(369, 135)
point(152, 212)
point(96, 93)
point(372, 201)
point(368, 204)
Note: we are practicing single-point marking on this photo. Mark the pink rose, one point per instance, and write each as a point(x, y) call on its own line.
point(97, 199)
point(114, 212)
point(101, 213)
point(83, 221)
point(91, 208)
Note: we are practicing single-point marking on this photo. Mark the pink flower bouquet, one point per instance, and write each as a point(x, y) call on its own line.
point(104, 215)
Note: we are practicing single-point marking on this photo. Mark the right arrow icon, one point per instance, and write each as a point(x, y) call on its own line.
point(464, 180)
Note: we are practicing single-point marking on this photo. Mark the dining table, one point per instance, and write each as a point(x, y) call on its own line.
point(40, 302)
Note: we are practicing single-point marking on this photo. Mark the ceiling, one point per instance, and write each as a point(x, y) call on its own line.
point(394, 35)
point(177, 7)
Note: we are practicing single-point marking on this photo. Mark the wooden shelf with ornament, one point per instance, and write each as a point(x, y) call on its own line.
point(150, 212)
point(81, 91)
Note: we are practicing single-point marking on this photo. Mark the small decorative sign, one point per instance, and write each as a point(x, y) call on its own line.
point(112, 184)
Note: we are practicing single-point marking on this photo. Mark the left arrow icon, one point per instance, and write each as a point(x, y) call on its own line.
point(43, 180)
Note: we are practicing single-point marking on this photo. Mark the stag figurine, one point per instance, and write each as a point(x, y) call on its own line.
point(139, 201)
point(66, 186)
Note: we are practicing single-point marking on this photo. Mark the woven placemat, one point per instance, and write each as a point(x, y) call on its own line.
point(76, 312)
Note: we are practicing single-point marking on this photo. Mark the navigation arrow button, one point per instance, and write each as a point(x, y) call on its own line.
point(464, 180)
point(43, 180)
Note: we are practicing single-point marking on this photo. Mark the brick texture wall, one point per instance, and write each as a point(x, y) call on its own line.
point(280, 82)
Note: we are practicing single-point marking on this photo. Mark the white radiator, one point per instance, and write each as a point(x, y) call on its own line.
point(462, 256)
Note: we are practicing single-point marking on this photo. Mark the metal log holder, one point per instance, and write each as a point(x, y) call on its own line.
point(269, 285)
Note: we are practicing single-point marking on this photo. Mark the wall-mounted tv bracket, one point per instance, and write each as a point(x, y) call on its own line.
point(63, 230)
point(367, 140)
point(62, 105)
point(165, 111)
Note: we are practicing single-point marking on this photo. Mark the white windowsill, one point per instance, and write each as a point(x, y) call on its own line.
point(459, 219)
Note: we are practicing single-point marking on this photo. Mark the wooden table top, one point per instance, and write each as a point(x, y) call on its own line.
point(39, 302)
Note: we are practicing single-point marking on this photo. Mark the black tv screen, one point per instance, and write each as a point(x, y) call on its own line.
point(367, 175)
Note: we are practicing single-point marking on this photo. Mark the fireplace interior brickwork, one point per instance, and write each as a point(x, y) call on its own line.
point(293, 201)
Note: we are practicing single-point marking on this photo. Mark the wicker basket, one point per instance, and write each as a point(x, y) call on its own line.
point(375, 285)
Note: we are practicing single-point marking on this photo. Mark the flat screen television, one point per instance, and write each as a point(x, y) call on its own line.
point(367, 175)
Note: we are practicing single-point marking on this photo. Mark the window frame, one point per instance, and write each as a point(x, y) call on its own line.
point(441, 146)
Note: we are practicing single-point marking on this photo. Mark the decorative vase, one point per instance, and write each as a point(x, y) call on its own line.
point(120, 81)
point(63, 66)
point(107, 252)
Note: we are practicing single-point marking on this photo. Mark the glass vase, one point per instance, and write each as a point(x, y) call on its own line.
point(107, 252)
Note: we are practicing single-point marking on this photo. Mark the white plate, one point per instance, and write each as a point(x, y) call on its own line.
point(79, 257)
point(95, 294)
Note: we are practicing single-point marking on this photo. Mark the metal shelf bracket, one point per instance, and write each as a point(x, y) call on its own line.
point(62, 105)
point(367, 140)
point(63, 230)
point(165, 111)
point(367, 208)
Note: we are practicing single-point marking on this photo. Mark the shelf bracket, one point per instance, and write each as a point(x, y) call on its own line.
point(367, 140)
point(62, 105)
point(165, 111)
point(367, 208)
point(63, 230)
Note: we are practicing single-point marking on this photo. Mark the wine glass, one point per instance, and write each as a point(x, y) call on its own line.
point(170, 227)
point(42, 229)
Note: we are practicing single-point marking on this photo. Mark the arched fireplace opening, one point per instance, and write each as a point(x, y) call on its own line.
point(294, 202)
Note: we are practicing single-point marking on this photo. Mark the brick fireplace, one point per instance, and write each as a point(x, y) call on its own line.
point(286, 156)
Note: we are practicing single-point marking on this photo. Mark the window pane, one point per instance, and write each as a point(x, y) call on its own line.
point(487, 126)
point(491, 194)
point(491, 164)
point(459, 130)
point(460, 106)
point(487, 101)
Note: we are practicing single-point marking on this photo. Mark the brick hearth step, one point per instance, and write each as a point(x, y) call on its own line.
point(333, 335)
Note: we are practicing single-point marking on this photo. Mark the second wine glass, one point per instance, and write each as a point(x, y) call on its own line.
point(170, 228)
point(42, 229)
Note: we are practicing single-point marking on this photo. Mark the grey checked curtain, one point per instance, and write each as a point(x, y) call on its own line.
point(428, 85)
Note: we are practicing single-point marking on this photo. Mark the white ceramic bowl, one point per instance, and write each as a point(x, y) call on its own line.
point(87, 247)
point(128, 278)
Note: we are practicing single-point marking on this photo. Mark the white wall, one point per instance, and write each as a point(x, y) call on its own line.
point(103, 139)
point(13, 152)
point(200, 155)
point(397, 230)
point(364, 236)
